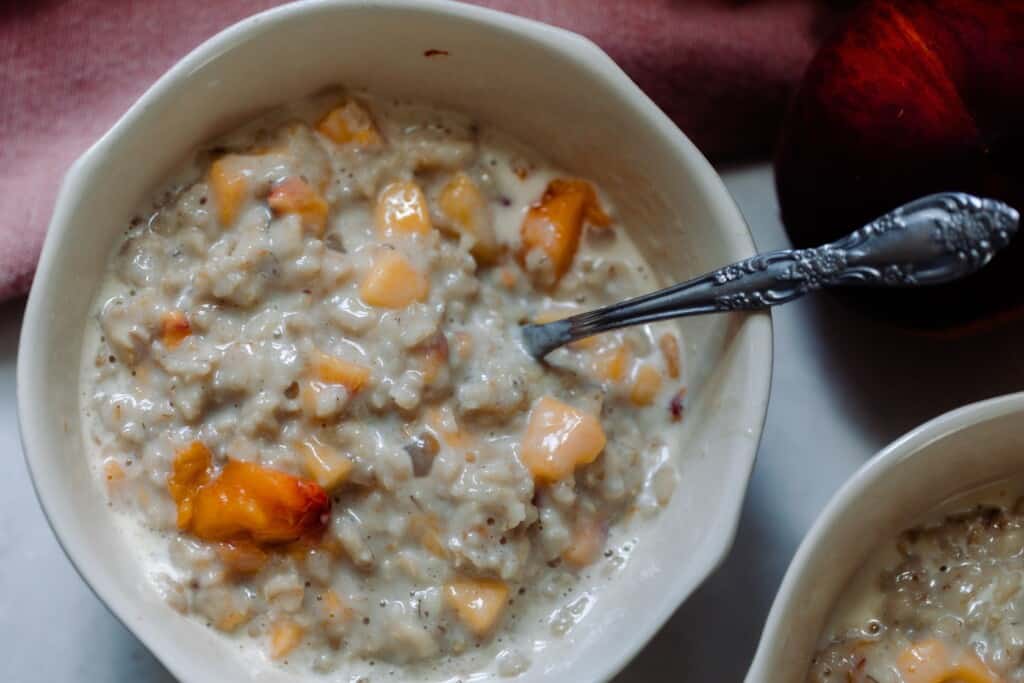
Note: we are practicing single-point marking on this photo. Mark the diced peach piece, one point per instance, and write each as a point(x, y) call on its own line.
point(350, 122)
point(251, 501)
point(393, 282)
point(231, 621)
point(588, 538)
point(669, 346)
point(189, 472)
point(402, 210)
point(333, 370)
point(174, 328)
point(285, 636)
point(293, 195)
point(611, 363)
point(558, 439)
point(465, 206)
point(229, 185)
point(554, 224)
point(932, 661)
point(478, 603)
point(646, 384)
point(245, 502)
point(242, 557)
point(328, 468)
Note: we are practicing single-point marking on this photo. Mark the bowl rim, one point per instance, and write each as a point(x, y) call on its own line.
point(910, 445)
point(568, 45)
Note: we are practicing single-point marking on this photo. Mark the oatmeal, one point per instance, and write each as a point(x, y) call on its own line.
point(307, 397)
point(940, 604)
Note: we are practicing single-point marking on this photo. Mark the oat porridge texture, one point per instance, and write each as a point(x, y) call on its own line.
point(942, 603)
point(305, 395)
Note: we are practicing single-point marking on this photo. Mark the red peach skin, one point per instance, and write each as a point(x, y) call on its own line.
point(906, 99)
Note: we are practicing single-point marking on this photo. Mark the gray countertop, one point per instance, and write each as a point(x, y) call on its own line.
point(843, 387)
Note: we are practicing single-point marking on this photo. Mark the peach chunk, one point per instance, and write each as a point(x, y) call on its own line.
point(189, 473)
point(393, 282)
point(174, 328)
point(350, 122)
point(293, 195)
point(554, 224)
point(245, 502)
point(402, 210)
point(229, 182)
point(333, 370)
point(328, 467)
point(646, 384)
point(931, 661)
point(465, 206)
point(558, 439)
point(478, 603)
point(285, 636)
point(588, 537)
point(612, 363)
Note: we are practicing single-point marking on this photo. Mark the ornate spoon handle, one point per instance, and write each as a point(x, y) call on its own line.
point(932, 240)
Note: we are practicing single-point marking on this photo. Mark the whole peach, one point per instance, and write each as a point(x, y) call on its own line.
point(907, 98)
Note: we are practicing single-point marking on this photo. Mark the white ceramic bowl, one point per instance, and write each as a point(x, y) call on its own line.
point(950, 455)
point(548, 87)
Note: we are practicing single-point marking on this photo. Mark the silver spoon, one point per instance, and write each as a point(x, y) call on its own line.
point(930, 241)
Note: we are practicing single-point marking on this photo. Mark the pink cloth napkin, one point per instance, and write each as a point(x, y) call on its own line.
point(722, 69)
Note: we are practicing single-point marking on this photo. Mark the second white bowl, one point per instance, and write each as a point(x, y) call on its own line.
point(948, 456)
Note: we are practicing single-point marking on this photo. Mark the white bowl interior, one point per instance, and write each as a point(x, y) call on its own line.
point(949, 456)
point(549, 88)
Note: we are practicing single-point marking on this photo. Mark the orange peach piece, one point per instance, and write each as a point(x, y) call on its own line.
point(333, 370)
point(245, 502)
point(588, 537)
point(328, 468)
point(669, 346)
point(646, 384)
point(189, 472)
point(554, 224)
point(611, 363)
point(402, 210)
point(932, 661)
point(293, 195)
point(251, 501)
point(558, 439)
point(285, 636)
point(466, 207)
point(174, 328)
point(229, 185)
point(231, 621)
point(478, 603)
point(350, 122)
point(393, 282)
